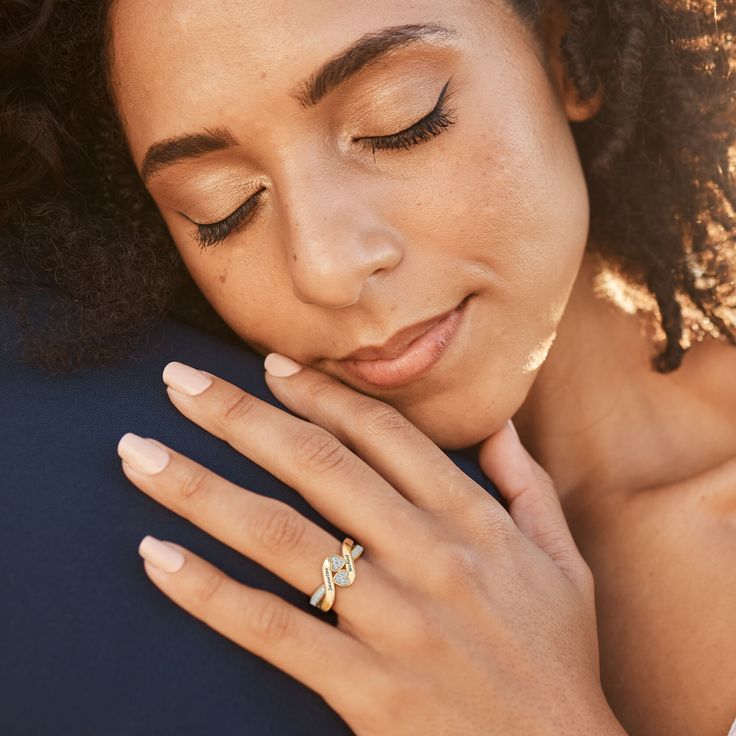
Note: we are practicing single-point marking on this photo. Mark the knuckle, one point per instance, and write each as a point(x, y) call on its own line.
point(540, 475)
point(554, 538)
point(195, 484)
point(456, 565)
point(462, 560)
point(377, 417)
point(280, 529)
point(494, 523)
point(585, 577)
point(320, 451)
point(271, 620)
point(392, 691)
point(237, 405)
point(417, 627)
point(209, 588)
point(321, 390)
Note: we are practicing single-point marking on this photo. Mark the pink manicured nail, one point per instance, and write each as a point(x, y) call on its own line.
point(186, 379)
point(160, 555)
point(141, 454)
point(281, 366)
point(513, 428)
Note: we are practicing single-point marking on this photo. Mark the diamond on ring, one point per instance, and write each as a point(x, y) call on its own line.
point(333, 572)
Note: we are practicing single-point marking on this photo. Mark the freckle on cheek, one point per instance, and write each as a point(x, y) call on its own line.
point(222, 277)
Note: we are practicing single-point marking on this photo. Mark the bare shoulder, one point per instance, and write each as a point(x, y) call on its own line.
point(664, 562)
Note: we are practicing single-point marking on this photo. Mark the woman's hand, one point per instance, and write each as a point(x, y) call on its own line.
point(462, 618)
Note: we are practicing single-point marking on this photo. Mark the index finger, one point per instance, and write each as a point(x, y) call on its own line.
point(335, 481)
point(385, 439)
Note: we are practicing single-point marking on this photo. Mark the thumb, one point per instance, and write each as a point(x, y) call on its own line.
point(531, 497)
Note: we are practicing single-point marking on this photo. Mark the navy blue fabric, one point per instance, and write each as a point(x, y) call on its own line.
point(87, 644)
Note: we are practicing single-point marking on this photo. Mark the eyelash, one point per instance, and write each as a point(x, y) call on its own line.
point(431, 125)
point(213, 233)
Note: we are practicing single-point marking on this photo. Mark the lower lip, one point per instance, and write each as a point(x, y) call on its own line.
point(416, 361)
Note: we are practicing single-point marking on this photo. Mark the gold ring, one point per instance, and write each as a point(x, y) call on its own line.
point(336, 570)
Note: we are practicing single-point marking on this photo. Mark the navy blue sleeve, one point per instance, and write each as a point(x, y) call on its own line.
point(87, 644)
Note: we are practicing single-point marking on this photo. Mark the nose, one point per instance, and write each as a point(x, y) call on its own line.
point(337, 242)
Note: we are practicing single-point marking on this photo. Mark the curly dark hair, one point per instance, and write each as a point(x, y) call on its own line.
point(658, 159)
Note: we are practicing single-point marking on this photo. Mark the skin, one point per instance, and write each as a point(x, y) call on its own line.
point(520, 594)
point(347, 248)
point(346, 251)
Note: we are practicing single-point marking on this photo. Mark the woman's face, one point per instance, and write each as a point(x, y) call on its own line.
point(340, 241)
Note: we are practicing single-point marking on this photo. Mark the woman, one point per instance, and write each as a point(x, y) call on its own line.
point(523, 186)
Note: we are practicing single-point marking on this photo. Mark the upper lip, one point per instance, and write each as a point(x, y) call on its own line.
point(397, 344)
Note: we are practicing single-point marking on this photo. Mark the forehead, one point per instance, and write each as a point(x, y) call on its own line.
point(179, 65)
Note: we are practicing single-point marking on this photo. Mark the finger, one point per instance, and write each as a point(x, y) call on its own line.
point(317, 654)
point(335, 481)
point(533, 502)
point(270, 532)
point(381, 435)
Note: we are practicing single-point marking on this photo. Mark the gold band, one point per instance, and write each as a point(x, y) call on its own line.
point(336, 570)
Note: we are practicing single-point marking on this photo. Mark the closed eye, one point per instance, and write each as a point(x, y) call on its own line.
point(211, 233)
point(431, 125)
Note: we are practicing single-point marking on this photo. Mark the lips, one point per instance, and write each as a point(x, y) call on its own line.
point(417, 358)
point(398, 344)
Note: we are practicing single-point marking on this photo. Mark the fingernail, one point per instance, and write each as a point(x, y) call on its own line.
point(186, 379)
point(141, 454)
point(160, 555)
point(513, 428)
point(281, 366)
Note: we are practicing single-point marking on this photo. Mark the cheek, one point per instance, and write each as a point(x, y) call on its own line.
point(529, 205)
point(514, 185)
point(515, 206)
point(248, 296)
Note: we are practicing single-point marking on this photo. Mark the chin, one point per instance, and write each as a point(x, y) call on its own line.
point(470, 411)
point(453, 430)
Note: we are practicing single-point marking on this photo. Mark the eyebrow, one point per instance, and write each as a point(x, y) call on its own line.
point(333, 73)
